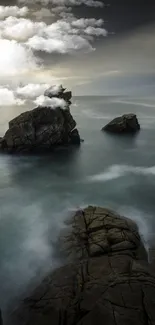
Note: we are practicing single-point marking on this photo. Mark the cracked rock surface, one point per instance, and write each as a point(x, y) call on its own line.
point(41, 129)
point(106, 279)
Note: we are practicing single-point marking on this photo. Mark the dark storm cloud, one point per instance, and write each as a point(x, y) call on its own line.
point(7, 2)
point(125, 15)
point(120, 15)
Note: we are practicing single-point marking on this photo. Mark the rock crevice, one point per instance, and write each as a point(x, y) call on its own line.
point(106, 279)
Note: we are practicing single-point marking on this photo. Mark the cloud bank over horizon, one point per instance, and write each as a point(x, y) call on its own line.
point(21, 37)
point(89, 3)
point(65, 42)
point(31, 31)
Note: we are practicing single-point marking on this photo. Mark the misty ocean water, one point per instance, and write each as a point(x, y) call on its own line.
point(38, 193)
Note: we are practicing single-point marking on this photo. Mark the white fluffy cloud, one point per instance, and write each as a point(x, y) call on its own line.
point(92, 31)
point(86, 22)
point(60, 9)
point(14, 11)
point(50, 102)
point(89, 3)
point(15, 58)
point(63, 45)
point(20, 29)
point(61, 36)
point(31, 91)
point(23, 32)
point(7, 98)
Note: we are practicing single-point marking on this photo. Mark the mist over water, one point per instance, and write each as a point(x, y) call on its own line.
point(46, 43)
point(38, 193)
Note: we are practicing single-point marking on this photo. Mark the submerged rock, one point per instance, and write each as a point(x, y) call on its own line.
point(127, 123)
point(41, 129)
point(106, 279)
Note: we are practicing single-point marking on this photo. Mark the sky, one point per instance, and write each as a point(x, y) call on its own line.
point(90, 46)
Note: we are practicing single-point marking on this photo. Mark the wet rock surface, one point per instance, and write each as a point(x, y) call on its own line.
point(127, 123)
point(106, 279)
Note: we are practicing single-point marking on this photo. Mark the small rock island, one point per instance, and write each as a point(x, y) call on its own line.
point(106, 278)
point(43, 128)
point(127, 123)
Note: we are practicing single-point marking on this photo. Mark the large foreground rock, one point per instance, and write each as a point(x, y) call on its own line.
point(106, 279)
point(127, 123)
point(41, 129)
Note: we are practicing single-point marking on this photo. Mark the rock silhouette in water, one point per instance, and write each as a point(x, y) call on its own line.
point(106, 279)
point(42, 128)
point(127, 123)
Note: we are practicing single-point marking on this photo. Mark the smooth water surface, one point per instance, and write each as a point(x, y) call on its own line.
point(37, 193)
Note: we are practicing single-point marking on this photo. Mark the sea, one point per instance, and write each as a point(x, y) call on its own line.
point(37, 193)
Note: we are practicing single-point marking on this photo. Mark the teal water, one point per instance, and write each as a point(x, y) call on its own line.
point(37, 193)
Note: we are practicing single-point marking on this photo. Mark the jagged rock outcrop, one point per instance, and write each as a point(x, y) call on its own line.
point(41, 129)
point(127, 123)
point(106, 279)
